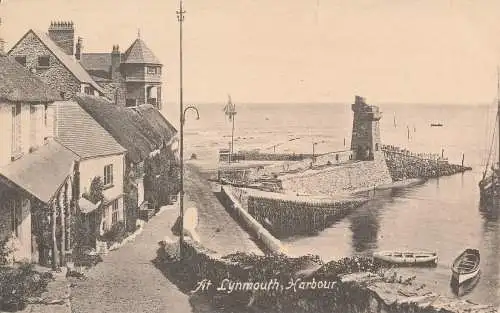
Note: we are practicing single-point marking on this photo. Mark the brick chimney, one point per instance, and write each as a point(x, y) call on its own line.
point(79, 48)
point(116, 59)
point(2, 42)
point(63, 34)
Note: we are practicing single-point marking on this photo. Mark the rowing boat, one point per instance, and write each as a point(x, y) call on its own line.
point(465, 266)
point(407, 258)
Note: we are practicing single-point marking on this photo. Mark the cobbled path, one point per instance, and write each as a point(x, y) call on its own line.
point(128, 281)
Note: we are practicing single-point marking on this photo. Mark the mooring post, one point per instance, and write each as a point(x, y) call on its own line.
point(442, 153)
point(463, 157)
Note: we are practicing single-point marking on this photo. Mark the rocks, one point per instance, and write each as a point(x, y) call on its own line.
point(404, 164)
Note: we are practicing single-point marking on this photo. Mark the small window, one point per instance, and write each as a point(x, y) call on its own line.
point(114, 210)
point(21, 60)
point(44, 61)
point(108, 175)
point(151, 70)
point(88, 90)
point(131, 102)
point(376, 147)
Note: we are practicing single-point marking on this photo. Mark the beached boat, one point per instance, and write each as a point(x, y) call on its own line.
point(465, 266)
point(407, 258)
point(436, 124)
point(489, 186)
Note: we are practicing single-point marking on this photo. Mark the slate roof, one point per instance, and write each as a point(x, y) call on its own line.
point(96, 61)
point(139, 53)
point(41, 172)
point(80, 133)
point(131, 128)
point(18, 84)
point(71, 64)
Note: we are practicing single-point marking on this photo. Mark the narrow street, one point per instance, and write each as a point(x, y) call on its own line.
point(127, 280)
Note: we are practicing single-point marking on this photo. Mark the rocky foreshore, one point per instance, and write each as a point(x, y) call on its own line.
point(276, 283)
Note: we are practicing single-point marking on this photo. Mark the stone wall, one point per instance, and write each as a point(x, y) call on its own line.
point(342, 178)
point(56, 75)
point(287, 217)
point(404, 164)
point(275, 283)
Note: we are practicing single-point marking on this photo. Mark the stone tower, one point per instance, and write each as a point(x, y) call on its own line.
point(365, 142)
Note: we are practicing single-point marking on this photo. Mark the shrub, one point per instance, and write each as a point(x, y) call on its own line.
point(18, 284)
point(5, 251)
point(117, 233)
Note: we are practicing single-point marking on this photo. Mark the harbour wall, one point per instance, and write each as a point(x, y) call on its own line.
point(257, 230)
point(287, 217)
point(284, 215)
point(404, 164)
point(305, 284)
point(333, 180)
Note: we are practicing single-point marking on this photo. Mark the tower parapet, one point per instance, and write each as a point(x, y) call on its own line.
point(365, 142)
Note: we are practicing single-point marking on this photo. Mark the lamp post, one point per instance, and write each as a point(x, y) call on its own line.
point(180, 18)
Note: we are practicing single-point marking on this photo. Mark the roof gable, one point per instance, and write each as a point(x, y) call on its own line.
point(67, 61)
point(18, 84)
point(80, 133)
point(139, 53)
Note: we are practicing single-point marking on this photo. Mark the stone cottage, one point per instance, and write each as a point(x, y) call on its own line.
point(50, 57)
point(130, 78)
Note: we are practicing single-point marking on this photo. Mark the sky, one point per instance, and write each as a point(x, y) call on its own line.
point(420, 51)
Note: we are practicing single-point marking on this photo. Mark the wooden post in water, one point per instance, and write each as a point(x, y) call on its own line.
point(442, 153)
point(463, 157)
point(408, 130)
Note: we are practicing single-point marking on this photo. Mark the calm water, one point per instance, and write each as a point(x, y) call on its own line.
point(441, 215)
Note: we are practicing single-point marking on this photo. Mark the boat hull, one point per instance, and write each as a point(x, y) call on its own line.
point(489, 196)
point(459, 279)
point(424, 259)
point(465, 267)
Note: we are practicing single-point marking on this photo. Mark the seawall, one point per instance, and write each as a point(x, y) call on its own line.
point(404, 164)
point(344, 178)
point(257, 230)
point(286, 215)
point(275, 283)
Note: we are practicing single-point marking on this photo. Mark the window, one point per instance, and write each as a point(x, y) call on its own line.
point(15, 215)
point(16, 130)
point(131, 102)
point(114, 210)
point(376, 147)
point(108, 175)
point(88, 90)
point(21, 60)
point(154, 70)
point(44, 61)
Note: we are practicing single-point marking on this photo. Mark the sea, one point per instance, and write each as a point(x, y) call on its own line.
point(440, 215)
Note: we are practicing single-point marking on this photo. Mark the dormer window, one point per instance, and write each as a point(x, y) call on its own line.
point(43, 61)
point(21, 60)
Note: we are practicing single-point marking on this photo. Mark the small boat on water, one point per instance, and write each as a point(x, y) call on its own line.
point(436, 125)
point(465, 266)
point(407, 258)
